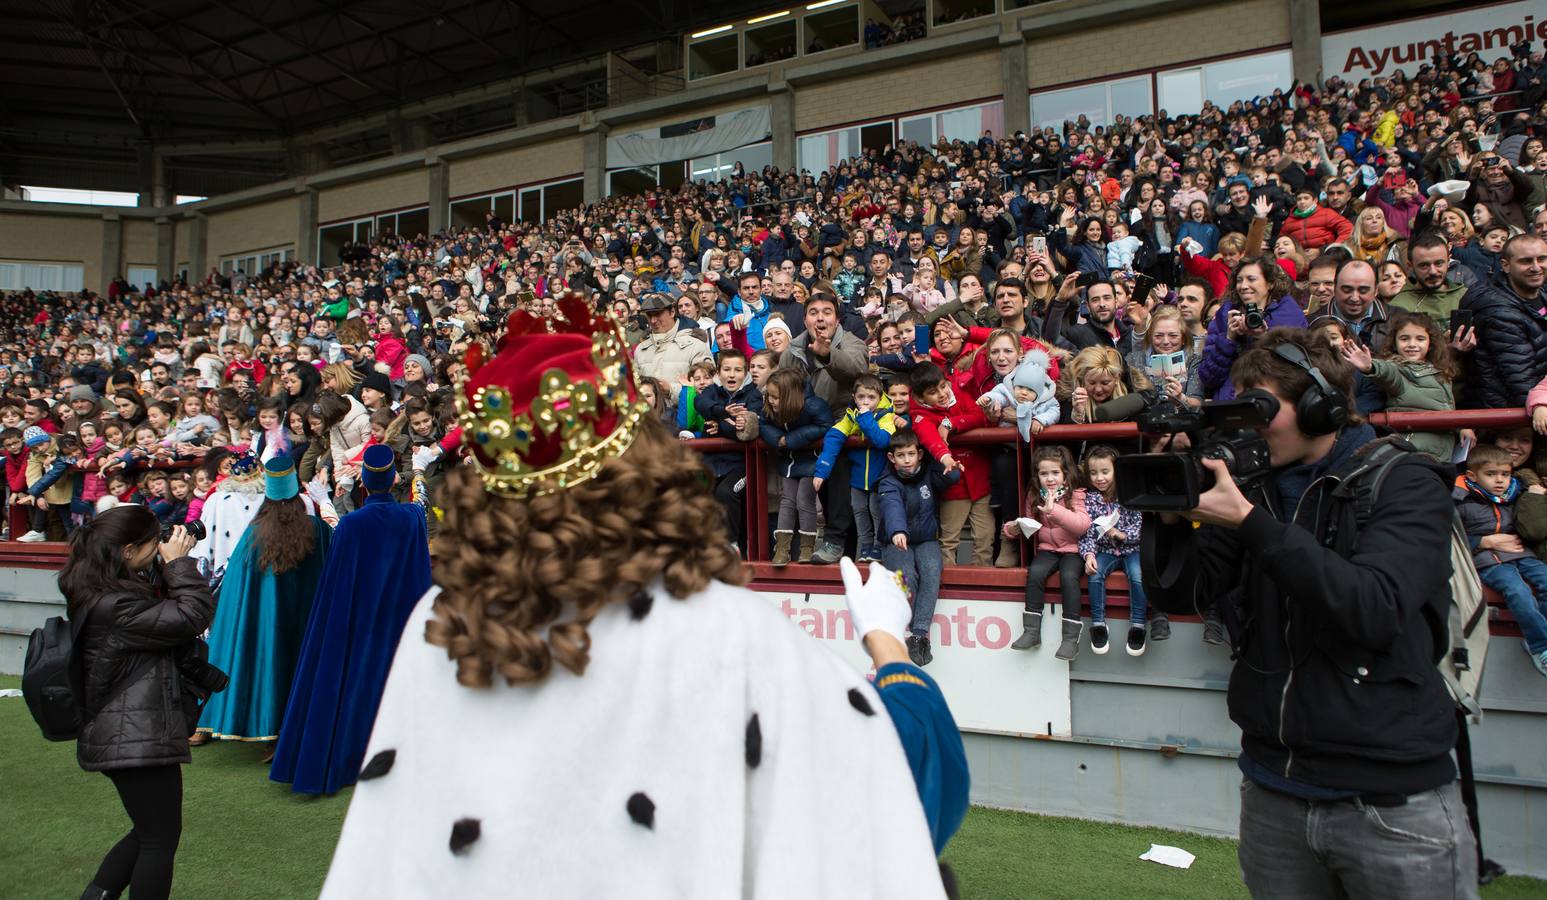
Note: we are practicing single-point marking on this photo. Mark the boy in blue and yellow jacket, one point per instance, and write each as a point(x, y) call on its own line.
point(870, 417)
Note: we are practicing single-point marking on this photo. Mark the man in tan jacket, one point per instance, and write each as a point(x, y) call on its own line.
point(669, 351)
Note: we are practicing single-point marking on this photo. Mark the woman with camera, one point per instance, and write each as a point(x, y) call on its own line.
point(139, 604)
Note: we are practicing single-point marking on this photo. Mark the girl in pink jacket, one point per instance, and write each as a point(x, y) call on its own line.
point(1536, 405)
point(1053, 504)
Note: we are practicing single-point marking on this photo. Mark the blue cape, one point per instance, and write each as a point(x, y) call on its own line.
point(377, 570)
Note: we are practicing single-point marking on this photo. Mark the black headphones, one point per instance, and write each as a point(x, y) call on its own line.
point(1322, 409)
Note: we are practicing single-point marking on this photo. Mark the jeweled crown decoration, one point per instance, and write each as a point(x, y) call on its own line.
point(556, 402)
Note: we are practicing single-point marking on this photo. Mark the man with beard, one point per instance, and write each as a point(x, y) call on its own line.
point(1437, 286)
point(1102, 323)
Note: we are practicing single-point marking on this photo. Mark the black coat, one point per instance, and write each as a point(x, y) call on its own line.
point(1335, 683)
point(1511, 354)
point(146, 723)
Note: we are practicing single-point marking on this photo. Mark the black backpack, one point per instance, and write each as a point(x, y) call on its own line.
point(53, 682)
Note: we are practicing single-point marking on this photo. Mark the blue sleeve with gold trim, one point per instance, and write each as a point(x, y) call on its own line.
point(932, 743)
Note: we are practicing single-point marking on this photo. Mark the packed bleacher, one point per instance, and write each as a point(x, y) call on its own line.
point(1074, 275)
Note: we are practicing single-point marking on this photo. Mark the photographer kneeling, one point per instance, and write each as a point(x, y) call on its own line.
point(1349, 789)
point(137, 623)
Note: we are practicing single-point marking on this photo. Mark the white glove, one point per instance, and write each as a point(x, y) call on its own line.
point(740, 321)
point(425, 455)
point(880, 604)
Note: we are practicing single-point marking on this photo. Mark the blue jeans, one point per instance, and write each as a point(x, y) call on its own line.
point(1293, 848)
point(1105, 563)
point(920, 567)
point(867, 512)
point(1523, 582)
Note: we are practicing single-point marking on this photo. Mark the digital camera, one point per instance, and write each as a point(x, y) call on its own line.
point(195, 530)
point(1227, 430)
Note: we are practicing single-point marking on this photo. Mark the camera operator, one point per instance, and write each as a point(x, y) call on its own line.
point(1346, 725)
point(138, 605)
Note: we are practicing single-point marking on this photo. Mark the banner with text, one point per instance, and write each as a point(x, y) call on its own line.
point(990, 687)
point(1409, 44)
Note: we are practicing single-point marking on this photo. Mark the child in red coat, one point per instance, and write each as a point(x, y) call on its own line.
point(938, 411)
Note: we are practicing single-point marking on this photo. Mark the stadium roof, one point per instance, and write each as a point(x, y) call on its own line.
point(97, 81)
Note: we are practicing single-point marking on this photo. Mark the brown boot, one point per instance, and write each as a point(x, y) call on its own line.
point(781, 552)
point(807, 547)
point(1009, 555)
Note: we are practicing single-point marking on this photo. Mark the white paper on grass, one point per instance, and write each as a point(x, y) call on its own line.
point(1106, 523)
point(10, 692)
point(1028, 527)
point(1175, 857)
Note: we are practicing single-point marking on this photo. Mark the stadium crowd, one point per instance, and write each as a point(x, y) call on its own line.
point(905, 297)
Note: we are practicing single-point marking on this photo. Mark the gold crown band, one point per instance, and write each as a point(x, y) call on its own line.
point(565, 409)
point(385, 468)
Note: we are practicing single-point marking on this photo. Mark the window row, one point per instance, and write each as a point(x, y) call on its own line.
point(535, 203)
point(672, 175)
point(18, 276)
point(818, 152)
point(248, 263)
point(1181, 91)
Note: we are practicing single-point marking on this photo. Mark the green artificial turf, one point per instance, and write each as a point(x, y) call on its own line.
point(246, 837)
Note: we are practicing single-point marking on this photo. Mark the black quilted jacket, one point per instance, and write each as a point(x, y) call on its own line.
point(1511, 354)
point(145, 723)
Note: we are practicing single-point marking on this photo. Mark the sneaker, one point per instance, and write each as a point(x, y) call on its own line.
point(1135, 640)
point(869, 554)
point(925, 656)
point(1539, 660)
point(1160, 628)
point(1213, 631)
point(1098, 638)
point(826, 553)
point(914, 652)
point(33, 537)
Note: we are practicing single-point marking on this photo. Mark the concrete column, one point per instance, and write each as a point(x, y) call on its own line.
point(1012, 69)
point(408, 134)
point(166, 249)
point(1305, 40)
point(306, 226)
point(522, 112)
point(198, 247)
point(112, 249)
point(594, 163)
point(304, 159)
point(439, 173)
point(782, 125)
point(153, 178)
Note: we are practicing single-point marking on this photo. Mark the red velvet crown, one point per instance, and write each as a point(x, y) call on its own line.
point(551, 407)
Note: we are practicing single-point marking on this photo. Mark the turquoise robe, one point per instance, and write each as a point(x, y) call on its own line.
point(260, 622)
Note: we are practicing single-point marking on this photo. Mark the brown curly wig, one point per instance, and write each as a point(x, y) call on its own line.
point(283, 532)
point(510, 570)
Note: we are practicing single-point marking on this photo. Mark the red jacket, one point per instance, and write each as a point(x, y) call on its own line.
point(1317, 230)
point(964, 416)
point(258, 369)
point(980, 379)
point(16, 471)
point(391, 350)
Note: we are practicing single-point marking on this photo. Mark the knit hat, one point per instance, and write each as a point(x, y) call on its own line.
point(379, 382)
point(34, 436)
point(422, 361)
point(378, 468)
point(280, 482)
point(777, 325)
point(82, 392)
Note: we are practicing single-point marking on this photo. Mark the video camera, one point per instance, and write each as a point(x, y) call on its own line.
point(1227, 430)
